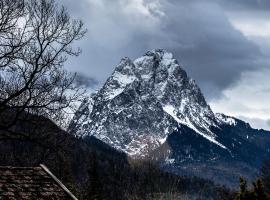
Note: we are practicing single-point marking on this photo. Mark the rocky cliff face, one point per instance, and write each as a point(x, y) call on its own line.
point(142, 102)
point(150, 106)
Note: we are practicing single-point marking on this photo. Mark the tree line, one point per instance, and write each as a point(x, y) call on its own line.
point(260, 189)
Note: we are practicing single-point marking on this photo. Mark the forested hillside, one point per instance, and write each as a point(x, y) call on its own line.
point(93, 170)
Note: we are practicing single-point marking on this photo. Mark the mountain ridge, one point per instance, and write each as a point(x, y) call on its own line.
point(159, 72)
point(150, 106)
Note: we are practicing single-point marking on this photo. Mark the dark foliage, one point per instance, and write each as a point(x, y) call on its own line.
point(93, 170)
point(265, 176)
point(257, 192)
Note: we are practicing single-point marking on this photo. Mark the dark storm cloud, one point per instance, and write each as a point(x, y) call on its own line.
point(199, 34)
point(246, 4)
point(85, 81)
point(210, 48)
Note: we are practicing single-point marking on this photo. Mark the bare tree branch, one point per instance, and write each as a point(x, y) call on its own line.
point(36, 39)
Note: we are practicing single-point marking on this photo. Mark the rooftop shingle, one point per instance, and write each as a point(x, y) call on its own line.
point(29, 183)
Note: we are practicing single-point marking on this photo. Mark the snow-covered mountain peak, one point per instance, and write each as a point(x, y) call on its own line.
point(150, 106)
point(157, 62)
point(145, 100)
point(160, 54)
point(123, 75)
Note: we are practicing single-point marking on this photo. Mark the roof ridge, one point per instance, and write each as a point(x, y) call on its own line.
point(57, 181)
point(12, 167)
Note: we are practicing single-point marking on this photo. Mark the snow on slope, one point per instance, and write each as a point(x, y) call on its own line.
point(223, 119)
point(208, 135)
point(142, 102)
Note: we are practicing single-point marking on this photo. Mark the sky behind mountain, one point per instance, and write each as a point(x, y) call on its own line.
point(223, 44)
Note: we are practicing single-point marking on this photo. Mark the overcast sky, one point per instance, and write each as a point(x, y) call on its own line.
point(223, 44)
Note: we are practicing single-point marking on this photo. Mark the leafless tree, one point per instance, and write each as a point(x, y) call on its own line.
point(36, 38)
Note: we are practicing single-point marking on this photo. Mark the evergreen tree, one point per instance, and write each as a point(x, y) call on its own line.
point(94, 186)
point(265, 176)
point(258, 191)
point(243, 194)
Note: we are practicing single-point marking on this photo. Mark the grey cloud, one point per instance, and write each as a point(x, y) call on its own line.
point(214, 54)
point(257, 123)
point(268, 122)
point(85, 81)
point(199, 34)
point(246, 4)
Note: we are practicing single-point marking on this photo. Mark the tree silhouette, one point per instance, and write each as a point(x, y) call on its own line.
point(36, 38)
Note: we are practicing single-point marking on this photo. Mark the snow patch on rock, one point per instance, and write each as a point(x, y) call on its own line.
point(206, 133)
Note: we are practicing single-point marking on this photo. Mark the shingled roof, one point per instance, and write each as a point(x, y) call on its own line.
point(29, 183)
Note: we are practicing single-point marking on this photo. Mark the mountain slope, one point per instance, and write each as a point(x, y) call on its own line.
point(142, 102)
point(184, 152)
point(150, 106)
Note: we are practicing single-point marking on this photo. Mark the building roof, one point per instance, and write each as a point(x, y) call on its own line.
point(29, 183)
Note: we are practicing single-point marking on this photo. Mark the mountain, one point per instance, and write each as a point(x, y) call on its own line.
point(150, 107)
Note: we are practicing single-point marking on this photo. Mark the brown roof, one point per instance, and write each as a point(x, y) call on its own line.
point(29, 183)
